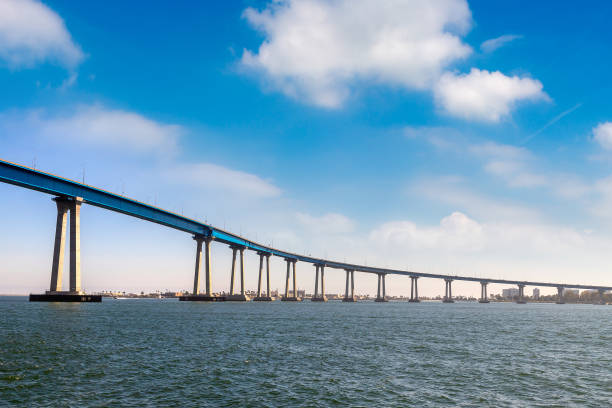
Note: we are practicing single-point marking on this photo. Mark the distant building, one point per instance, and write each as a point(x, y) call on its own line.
point(510, 293)
point(536, 293)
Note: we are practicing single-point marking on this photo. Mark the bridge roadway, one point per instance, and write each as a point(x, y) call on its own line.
point(33, 179)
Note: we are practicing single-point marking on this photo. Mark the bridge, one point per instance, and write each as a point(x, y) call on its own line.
point(70, 195)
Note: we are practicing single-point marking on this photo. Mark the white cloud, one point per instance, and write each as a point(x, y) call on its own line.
point(602, 134)
point(484, 96)
point(212, 176)
point(457, 232)
point(31, 32)
point(495, 43)
point(99, 126)
point(330, 223)
point(313, 49)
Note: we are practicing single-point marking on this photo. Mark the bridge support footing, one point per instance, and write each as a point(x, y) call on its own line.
point(448, 301)
point(237, 298)
point(262, 299)
point(65, 297)
point(201, 298)
point(382, 300)
point(349, 299)
point(414, 301)
point(291, 299)
point(319, 299)
point(483, 301)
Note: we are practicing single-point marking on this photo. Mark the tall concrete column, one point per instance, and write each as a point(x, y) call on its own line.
point(207, 265)
point(268, 275)
point(483, 292)
point(384, 294)
point(295, 295)
point(414, 289)
point(346, 288)
point(352, 284)
point(232, 279)
point(448, 297)
point(381, 296)
point(323, 281)
point(198, 262)
point(521, 295)
point(287, 278)
point(316, 291)
point(242, 271)
point(75, 245)
point(560, 290)
point(57, 268)
point(261, 256)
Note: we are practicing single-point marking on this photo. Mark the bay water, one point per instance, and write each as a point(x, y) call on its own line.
point(162, 352)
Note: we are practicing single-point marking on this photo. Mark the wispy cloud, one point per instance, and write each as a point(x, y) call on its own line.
point(495, 43)
point(330, 223)
point(97, 126)
point(215, 177)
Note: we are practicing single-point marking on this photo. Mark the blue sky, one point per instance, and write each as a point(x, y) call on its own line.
point(443, 136)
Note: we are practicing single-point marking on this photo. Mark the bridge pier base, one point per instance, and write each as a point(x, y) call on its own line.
point(201, 298)
point(483, 293)
point(381, 296)
point(414, 289)
point(260, 297)
point(55, 293)
point(349, 296)
point(521, 297)
point(294, 298)
point(601, 297)
point(448, 293)
point(196, 295)
point(319, 297)
point(561, 300)
point(234, 297)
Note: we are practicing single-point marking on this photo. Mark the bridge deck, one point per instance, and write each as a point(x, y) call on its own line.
point(26, 177)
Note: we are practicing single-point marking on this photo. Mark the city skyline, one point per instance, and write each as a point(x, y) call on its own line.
point(344, 158)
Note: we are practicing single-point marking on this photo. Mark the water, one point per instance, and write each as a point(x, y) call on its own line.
point(170, 353)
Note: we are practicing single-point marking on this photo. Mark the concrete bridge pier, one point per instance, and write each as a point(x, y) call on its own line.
point(483, 292)
point(294, 298)
point(259, 297)
point(561, 299)
point(521, 296)
point(316, 297)
point(381, 296)
point(66, 206)
point(349, 296)
point(242, 297)
point(414, 289)
point(448, 293)
point(196, 295)
point(601, 296)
